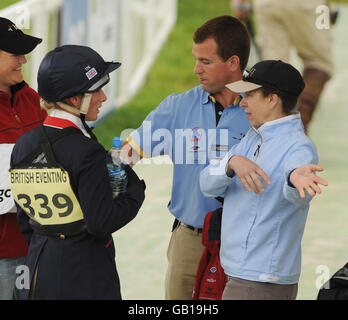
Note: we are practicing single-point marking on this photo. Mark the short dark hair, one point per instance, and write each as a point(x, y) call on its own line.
point(230, 35)
point(288, 100)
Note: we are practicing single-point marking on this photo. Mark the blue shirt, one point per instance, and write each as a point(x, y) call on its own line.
point(184, 127)
point(261, 233)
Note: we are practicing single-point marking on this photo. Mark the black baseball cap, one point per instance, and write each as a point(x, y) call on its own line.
point(13, 40)
point(70, 70)
point(273, 74)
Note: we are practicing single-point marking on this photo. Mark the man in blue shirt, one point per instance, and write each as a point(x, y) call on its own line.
point(192, 127)
point(261, 233)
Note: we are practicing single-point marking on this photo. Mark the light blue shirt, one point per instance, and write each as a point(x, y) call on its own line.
point(183, 126)
point(261, 233)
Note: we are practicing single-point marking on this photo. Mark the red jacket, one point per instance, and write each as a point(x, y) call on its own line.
point(17, 115)
point(210, 278)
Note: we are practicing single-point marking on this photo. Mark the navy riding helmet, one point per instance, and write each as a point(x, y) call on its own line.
point(70, 70)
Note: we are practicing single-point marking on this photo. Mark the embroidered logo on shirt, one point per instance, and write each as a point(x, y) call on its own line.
point(196, 134)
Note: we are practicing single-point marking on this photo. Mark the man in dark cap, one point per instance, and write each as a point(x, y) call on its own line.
point(19, 112)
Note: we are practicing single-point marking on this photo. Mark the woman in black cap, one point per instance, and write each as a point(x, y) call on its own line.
point(19, 112)
point(261, 231)
point(60, 181)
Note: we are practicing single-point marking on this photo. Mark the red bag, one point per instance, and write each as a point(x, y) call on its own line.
point(210, 279)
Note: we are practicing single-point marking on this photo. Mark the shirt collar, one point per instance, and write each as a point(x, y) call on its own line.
point(235, 103)
point(206, 98)
point(268, 128)
point(14, 89)
point(281, 120)
point(68, 116)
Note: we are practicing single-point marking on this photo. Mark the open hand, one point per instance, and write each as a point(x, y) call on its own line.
point(304, 179)
point(249, 173)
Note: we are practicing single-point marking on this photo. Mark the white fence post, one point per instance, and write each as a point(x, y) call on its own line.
point(158, 17)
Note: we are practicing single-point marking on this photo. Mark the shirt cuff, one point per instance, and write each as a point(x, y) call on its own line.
point(289, 182)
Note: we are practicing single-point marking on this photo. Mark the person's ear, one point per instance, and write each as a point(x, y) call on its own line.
point(234, 63)
point(274, 100)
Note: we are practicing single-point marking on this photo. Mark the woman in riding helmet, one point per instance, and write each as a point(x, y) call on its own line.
point(60, 182)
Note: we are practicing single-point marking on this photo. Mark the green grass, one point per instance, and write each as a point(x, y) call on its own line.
point(6, 3)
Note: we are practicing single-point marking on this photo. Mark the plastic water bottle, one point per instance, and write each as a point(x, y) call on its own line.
point(117, 174)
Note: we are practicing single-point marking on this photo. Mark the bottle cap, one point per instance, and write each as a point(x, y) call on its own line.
point(117, 142)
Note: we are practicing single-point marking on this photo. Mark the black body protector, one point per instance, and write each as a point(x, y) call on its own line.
point(41, 187)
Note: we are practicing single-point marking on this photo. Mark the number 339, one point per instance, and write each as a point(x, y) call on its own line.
point(59, 200)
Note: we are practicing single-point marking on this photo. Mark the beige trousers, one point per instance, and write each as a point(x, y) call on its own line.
point(282, 24)
point(184, 253)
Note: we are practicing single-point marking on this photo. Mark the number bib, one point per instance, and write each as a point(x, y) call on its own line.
point(45, 194)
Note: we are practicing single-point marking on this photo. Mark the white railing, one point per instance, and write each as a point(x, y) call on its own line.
point(129, 31)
